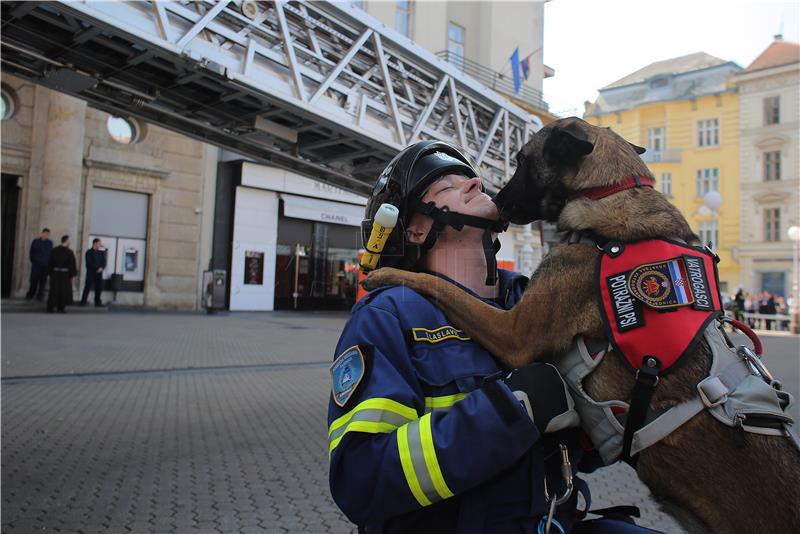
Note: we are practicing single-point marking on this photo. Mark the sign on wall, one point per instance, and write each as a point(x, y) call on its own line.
point(253, 267)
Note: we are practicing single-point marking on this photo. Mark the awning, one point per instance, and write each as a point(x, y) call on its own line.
point(314, 209)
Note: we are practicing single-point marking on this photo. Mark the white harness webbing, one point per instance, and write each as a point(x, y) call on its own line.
point(731, 393)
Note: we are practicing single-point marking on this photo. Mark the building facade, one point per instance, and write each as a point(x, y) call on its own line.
point(146, 192)
point(169, 208)
point(769, 91)
point(479, 38)
point(685, 111)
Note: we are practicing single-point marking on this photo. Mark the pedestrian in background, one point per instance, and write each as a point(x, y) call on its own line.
point(781, 309)
point(41, 247)
point(62, 268)
point(767, 307)
point(95, 264)
point(738, 306)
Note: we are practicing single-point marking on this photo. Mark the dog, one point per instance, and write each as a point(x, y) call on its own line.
point(699, 468)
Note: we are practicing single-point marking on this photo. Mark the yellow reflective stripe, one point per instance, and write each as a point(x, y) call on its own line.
point(363, 426)
point(377, 403)
point(408, 467)
point(434, 403)
point(429, 452)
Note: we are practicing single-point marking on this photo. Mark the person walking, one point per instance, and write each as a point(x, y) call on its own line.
point(62, 268)
point(39, 254)
point(95, 264)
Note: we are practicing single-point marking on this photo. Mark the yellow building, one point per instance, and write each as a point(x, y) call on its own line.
point(685, 111)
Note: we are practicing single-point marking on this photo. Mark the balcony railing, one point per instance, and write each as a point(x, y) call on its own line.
point(503, 83)
point(662, 156)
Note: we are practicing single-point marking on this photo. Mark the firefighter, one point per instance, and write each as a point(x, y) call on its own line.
point(427, 432)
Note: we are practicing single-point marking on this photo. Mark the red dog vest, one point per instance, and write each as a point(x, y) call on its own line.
point(656, 298)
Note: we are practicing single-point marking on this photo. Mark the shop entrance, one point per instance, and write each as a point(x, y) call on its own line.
point(316, 265)
point(10, 200)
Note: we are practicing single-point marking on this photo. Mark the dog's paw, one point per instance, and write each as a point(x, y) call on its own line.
point(385, 276)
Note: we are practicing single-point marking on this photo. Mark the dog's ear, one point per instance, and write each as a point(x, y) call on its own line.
point(639, 150)
point(567, 144)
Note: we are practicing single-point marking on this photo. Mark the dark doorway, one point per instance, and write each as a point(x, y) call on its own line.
point(10, 198)
point(316, 265)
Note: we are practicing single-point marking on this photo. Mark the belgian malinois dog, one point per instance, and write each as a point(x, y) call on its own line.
point(698, 468)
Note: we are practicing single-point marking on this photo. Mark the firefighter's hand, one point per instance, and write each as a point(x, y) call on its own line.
point(543, 393)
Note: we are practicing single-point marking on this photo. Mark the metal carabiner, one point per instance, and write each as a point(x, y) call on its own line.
point(557, 500)
point(755, 364)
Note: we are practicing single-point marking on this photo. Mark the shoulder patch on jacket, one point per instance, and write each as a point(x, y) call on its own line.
point(347, 372)
point(439, 334)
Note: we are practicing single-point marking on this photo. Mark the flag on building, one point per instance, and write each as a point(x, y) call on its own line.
point(515, 68)
point(526, 67)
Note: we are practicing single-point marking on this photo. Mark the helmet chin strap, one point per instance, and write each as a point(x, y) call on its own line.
point(444, 217)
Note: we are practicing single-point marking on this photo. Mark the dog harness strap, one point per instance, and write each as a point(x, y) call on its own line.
point(490, 249)
point(675, 417)
point(596, 193)
point(646, 381)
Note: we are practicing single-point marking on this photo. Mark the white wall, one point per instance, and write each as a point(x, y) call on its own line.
point(255, 227)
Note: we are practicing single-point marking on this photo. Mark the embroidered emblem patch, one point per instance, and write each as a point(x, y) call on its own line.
point(347, 371)
point(661, 285)
point(627, 310)
point(439, 334)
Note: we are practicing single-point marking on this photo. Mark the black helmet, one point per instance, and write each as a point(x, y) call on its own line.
point(404, 180)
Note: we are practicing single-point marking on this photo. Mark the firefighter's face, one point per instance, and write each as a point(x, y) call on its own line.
point(459, 194)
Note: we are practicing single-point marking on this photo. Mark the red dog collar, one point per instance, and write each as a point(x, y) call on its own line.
point(596, 193)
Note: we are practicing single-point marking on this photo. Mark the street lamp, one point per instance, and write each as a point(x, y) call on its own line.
point(713, 201)
point(794, 235)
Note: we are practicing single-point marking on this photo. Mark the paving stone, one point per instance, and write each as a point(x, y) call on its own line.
point(172, 434)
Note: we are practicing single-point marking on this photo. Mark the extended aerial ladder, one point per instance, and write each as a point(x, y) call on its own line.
point(321, 88)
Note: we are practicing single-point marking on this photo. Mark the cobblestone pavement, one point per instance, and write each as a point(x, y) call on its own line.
point(157, 422)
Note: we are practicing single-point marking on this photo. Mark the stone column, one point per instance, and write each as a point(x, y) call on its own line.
point(62, 167)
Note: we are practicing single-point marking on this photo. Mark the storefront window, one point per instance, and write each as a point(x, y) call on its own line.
point(316, 265)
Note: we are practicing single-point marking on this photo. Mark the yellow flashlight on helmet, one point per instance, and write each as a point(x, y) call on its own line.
point(383, 224)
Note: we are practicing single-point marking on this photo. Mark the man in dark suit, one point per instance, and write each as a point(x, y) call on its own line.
point(62, 268)
point(41, 247)
point(95, 264)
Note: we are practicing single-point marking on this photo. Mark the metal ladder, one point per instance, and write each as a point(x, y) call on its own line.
point(320, 88)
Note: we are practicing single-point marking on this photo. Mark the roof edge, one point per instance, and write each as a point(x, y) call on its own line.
point(607, 88)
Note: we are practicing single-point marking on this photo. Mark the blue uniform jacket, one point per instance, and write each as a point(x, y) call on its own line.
point(95, 259)
point(40, 252)
point(428, 440)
